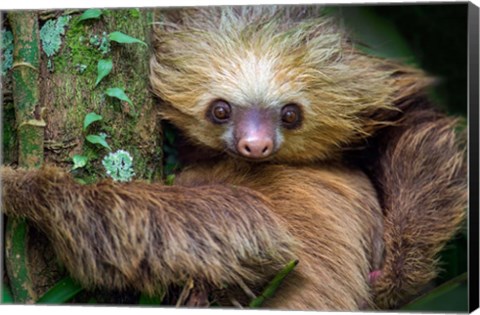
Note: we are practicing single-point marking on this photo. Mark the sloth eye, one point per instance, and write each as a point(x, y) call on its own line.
point(220, 112)
point(291, 116)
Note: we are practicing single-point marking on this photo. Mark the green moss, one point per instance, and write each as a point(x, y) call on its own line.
point(7, 51)
point(134, 13)
point(74, 119)
point(76, 50)
point(76, 94)
point(81, 68)
point(9, 140)
point(102, 43)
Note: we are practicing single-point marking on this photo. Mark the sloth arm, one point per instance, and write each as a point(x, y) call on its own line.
point(334, 216)
point(419, 169)
point(148, 236)
point(220, 225)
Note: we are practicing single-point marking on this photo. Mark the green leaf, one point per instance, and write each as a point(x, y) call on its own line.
point(104, 67)
point(270, 289)
point(97, 139)
point(122, 38)
point(90, 14)
point(170, 180)
point(80, 181)
point(62, 292)
point(118, 93)
point(452, 296)
point(151, 300)
point(380, 35)
point(90, 118)
point(170, 135)
point(79, 161)
point(7, 297)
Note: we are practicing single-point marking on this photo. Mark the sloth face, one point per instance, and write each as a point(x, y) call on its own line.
point(262, 86)
point(251, 132)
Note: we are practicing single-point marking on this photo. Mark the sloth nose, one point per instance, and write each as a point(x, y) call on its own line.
point(255, 147)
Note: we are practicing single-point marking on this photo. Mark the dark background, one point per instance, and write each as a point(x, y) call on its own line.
point(432, 37)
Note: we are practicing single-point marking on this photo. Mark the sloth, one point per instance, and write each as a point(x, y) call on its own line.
point(303, 148)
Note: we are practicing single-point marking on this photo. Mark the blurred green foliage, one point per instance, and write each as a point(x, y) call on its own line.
point(452, 296)
point(62, 292)
point(434, 38)
point(437, 34)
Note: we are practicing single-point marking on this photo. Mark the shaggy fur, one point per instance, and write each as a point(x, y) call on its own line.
point(422, 174)
point(146, 236)
point(217, 232)
point(269, 57)
point(373, 180)
point(316, 202)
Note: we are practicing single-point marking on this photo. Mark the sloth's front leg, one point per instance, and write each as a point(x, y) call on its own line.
point(148, 236)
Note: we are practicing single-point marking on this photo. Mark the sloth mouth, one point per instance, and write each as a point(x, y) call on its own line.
point(238, 156)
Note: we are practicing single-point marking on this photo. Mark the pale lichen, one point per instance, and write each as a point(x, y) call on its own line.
point(7, 51)
point(51, 36)
point(119, 166)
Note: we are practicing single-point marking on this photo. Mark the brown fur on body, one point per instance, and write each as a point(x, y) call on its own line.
point(148, 236)
point(232, 225)
point(334, 216)
point(270, 56)
point(232, 222)
point(421, 174)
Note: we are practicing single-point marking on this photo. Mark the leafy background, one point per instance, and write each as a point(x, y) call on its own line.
point(432, 37)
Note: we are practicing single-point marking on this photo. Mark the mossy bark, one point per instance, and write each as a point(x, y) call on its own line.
point(9, 141)
point(25, 72)
point(30, 130)
point(50, 103)
point(69, 93)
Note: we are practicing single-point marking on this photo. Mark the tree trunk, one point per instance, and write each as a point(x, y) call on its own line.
point(69, 93)
point(64, 80)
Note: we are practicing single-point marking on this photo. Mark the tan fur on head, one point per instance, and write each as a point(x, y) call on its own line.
point(269, 57)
